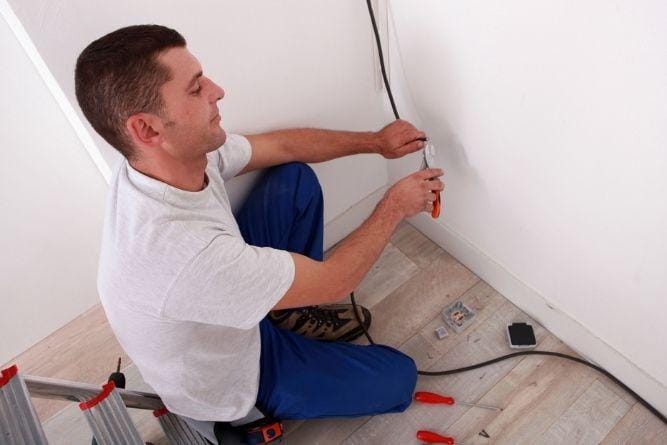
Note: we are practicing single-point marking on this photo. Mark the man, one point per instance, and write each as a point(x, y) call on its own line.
point(187, 286)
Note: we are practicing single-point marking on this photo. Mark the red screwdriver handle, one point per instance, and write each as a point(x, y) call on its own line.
point(431, 437)
point(431, 397)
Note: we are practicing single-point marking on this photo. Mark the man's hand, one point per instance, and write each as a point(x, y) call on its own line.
point(414, 193)
point(399, 139)
point(317, 282)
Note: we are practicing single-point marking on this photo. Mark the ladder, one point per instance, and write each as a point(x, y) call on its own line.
point(105, 411)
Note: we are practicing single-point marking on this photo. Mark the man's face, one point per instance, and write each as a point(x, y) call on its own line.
point(191, 116)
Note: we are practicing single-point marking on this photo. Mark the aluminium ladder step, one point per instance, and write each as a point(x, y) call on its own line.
point(19, 424)
point(105, 411)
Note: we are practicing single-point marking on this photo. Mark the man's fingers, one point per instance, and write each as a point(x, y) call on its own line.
point(406, 132)
point(429, 173)
point(436, 184)
point(413, 135)
point(401, 138)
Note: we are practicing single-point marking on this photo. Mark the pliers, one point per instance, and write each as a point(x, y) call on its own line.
point(428, 161)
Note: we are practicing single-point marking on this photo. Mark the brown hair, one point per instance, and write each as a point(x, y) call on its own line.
point(118, 75)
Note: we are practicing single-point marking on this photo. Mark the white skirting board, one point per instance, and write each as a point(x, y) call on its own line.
point(561, 324)
point(345, 223)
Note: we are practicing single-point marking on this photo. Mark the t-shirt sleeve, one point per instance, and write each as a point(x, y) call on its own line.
point(234, 155)
point(230, 283)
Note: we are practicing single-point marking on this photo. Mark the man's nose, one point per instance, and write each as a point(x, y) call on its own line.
point(219, 92)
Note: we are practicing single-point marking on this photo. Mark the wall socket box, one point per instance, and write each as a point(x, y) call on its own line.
point(458, 316)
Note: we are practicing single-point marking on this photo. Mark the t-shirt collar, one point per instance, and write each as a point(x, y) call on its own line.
point(166, 192)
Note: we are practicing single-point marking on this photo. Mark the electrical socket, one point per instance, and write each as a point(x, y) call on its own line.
point(458, 316)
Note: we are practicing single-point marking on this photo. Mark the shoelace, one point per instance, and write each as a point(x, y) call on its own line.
point(321, 316)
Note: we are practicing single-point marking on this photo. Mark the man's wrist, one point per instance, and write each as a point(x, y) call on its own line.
point(372, 142)
point(389, 210)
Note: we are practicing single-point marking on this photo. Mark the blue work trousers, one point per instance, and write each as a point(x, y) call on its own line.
point(302, 378)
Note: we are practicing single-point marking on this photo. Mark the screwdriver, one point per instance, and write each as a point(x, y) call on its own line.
point(431, 437)
point(431, 397)
point(118, 377)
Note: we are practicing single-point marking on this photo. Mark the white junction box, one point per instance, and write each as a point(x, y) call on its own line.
point(441, 332)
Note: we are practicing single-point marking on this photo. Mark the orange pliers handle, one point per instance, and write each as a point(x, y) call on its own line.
point(436, 206)
point(431, 437)
point(427, 162)
point(431, 397)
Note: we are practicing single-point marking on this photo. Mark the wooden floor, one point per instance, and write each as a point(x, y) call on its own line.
point(545, 400)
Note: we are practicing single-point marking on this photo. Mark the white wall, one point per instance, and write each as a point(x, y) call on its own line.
point(551, 123)
point(549, 118)
point(283, 64)
point(52, 199)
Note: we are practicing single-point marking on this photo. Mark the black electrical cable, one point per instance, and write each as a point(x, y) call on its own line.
point(517, 354)
point(384, 71)
point(647, 405)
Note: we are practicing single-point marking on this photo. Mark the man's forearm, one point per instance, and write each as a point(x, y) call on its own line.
point(357, 253)
point(317, 282)
point(315, 145)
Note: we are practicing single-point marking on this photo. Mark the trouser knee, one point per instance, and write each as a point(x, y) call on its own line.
point(296, 173)
point(398, 381)
point(405, 379)
point(298, 181)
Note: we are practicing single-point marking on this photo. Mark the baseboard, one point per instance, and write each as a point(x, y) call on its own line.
point(561, 324)
point(345, 223)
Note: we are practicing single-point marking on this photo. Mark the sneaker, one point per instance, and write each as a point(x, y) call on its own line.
point(333, 322)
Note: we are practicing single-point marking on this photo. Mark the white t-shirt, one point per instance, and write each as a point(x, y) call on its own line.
point(182, 290)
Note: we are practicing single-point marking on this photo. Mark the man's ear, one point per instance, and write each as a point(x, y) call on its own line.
point(145, 129)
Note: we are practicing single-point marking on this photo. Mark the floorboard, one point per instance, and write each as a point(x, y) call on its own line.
point(544, 400)
point(589, 419)
point(637, 427)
